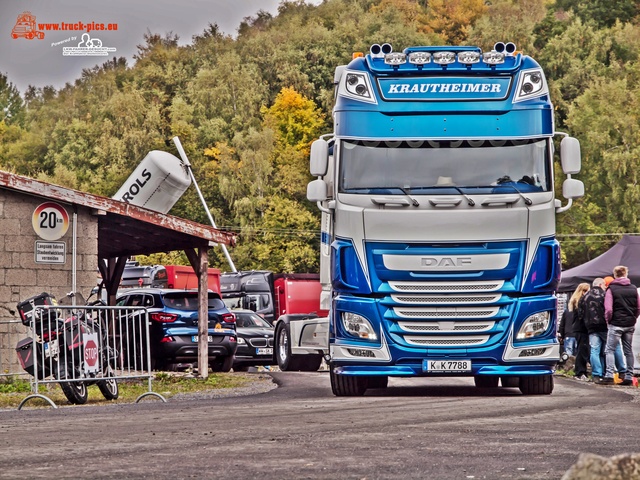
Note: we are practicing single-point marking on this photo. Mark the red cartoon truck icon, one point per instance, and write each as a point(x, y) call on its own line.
point(26, 27)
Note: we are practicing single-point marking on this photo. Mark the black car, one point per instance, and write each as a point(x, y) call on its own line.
point(173, 327)
point(255, 341)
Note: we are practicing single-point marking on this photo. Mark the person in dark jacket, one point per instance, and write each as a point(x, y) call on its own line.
point(592, 305)
point(566, 328)
point(581, 334)
point(621, 310)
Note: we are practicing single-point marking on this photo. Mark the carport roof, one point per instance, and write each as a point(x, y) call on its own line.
point(125, 229)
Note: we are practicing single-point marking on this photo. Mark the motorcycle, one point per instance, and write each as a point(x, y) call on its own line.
point(71, 345)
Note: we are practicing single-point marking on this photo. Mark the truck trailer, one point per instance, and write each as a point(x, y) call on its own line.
point(272, 295)
point(438, 249)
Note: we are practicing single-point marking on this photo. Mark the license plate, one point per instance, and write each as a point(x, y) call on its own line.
point(194, 338)
point(51, 348)
point(264, 351)
point(446, 366)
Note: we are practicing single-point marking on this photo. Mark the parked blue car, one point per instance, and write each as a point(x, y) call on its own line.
point(173, 328)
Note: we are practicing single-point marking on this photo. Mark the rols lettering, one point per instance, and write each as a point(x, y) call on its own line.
point(446, 261)
point(136, 187)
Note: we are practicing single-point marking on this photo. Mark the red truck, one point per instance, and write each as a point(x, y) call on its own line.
point(166, 276)
point(272, 295)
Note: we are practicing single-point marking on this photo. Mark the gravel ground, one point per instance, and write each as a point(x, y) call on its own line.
point(262, 383)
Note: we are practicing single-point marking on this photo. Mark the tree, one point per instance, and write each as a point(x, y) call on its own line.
point(508, 21)
point(601, 13)
point(11, 104)
point(453, 19)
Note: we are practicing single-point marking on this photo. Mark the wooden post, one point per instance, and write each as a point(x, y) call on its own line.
point(203, 313)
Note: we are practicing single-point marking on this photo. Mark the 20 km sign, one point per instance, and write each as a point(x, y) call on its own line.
point(50, 221)
point(91, 363)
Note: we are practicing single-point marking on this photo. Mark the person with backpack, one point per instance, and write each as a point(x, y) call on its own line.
point(621, 310)
point(592, 307)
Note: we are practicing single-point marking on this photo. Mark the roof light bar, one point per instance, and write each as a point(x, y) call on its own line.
point(444, 58)
point(493, 58)
point(469, 58)
point(419, 58)
point(395, 58)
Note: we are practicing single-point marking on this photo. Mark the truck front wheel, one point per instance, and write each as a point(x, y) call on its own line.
point(539, 385)
point(347, 386)
point(486, 381)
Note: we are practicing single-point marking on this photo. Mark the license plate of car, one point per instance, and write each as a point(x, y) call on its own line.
point(446, 366)
point(264, 351)
point(194, 338)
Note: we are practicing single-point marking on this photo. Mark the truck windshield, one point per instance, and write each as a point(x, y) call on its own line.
point(429, 167)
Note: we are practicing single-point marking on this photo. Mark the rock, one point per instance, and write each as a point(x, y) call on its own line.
point(591, 467)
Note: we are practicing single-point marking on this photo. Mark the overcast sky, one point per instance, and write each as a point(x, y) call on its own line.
point(44, 61)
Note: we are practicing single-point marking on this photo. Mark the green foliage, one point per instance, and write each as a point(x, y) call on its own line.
point(12, 109)
point(601, 13)
point(247, 108)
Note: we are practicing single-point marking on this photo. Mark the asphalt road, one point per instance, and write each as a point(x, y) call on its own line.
point(417, 428)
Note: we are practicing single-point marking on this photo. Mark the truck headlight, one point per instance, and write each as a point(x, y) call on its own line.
point(358, 326)
point(534, 326)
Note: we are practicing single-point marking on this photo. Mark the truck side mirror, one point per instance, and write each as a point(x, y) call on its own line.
point(319, 158)
point(317, 191)
point(572, 188)
point(570, 155)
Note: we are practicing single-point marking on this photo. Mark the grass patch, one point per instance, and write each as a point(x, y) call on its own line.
point(13, 390)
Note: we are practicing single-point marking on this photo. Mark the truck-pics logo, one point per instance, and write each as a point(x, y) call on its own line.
point(26, 27)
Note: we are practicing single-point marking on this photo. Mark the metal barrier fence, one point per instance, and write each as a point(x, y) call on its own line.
point(10, 332)
point(79, 346)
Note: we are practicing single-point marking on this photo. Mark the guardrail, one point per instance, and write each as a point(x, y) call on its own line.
point(80, 346)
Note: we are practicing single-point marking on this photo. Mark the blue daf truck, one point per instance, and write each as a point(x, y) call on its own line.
point(437, 191)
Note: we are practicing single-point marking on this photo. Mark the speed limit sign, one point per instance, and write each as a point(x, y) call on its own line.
point(50, 221)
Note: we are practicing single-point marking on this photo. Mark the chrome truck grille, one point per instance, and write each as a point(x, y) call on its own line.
point(447, 315)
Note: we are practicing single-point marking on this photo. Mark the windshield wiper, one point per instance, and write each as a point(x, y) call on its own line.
point(407, 192)
point(470, 201)
point(527, 200)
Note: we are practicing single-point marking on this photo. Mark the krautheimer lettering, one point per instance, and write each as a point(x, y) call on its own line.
point(445, 88)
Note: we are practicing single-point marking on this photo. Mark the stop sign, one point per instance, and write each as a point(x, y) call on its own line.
point(91, 352)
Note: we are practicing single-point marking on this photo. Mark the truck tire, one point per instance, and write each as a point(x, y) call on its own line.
point(539, 385)
point(379, 381)
point(310, 363)
point(486, 381)
point(347, 386)
point(510, 382)
point(282, 348)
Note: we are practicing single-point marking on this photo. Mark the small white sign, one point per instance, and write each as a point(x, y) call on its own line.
point(91, 350)
point(51, 252)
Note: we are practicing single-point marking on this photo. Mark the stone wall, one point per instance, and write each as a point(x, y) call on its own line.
point(21, 277)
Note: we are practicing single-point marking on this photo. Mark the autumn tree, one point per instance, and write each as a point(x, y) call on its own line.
point(452, 19)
